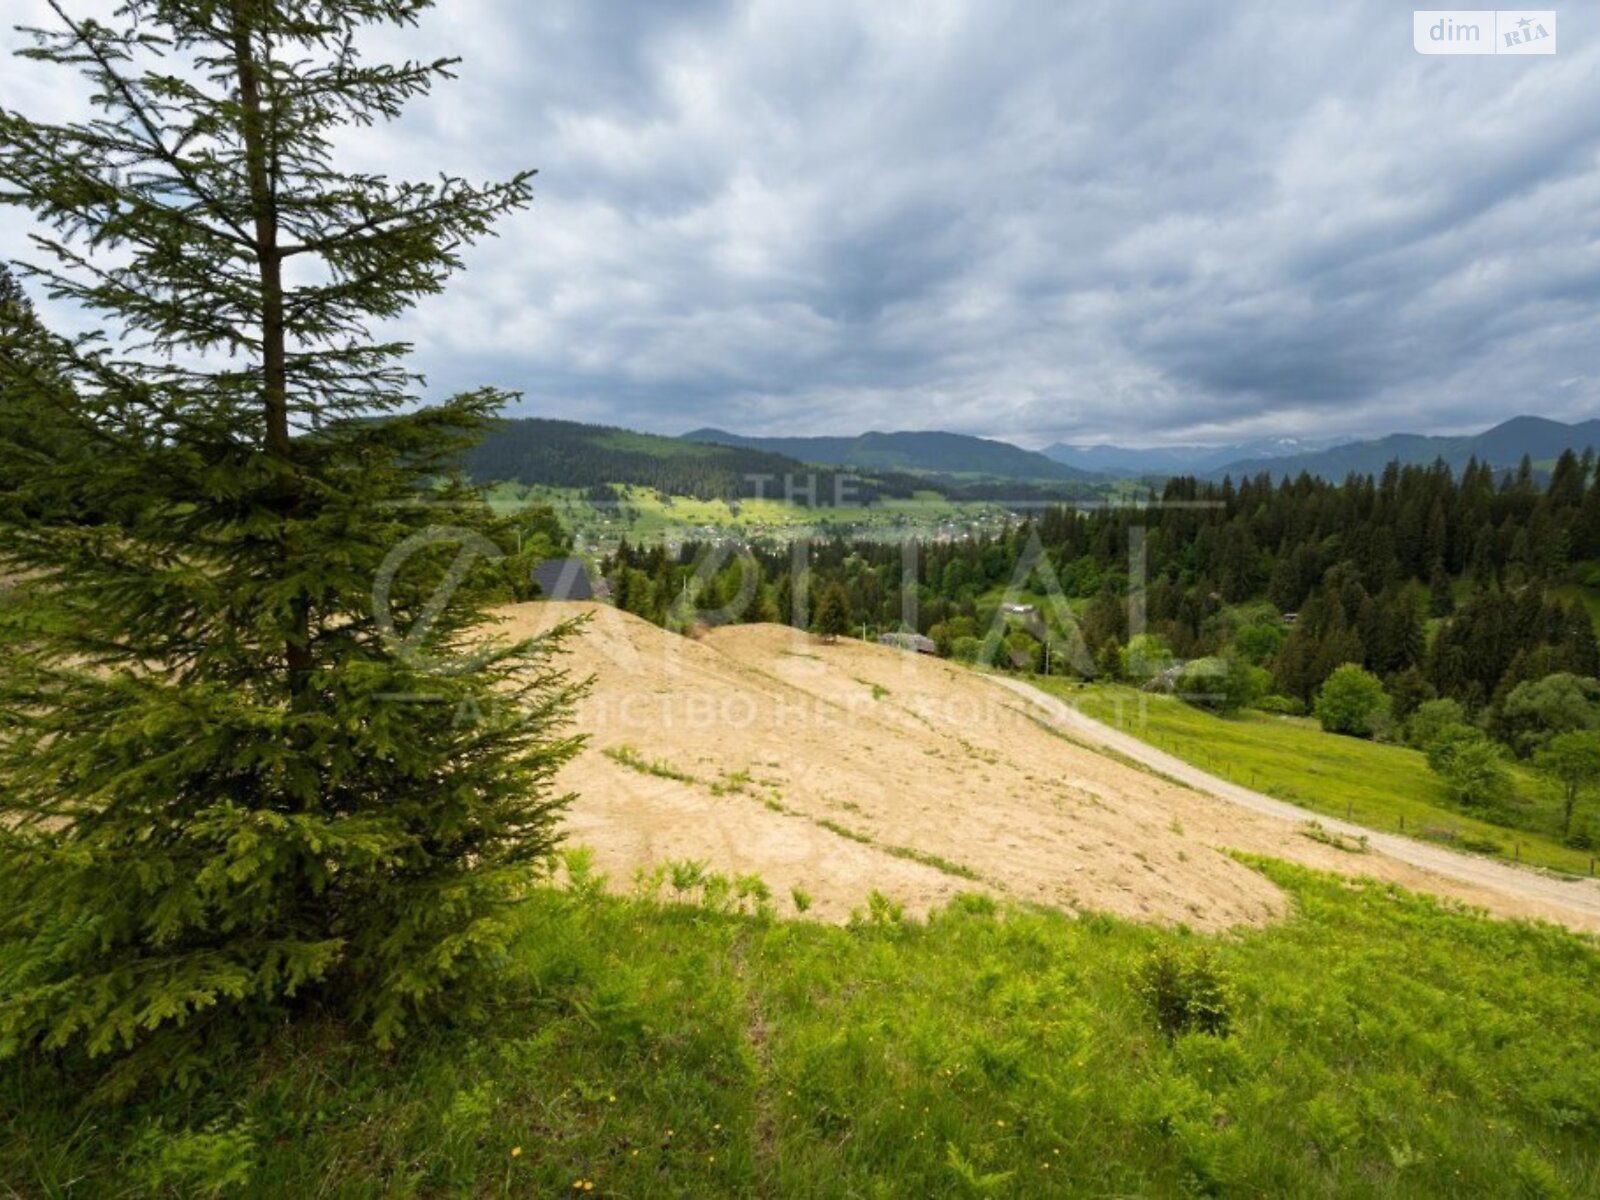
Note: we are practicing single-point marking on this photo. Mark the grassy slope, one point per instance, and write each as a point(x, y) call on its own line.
point(1294, 760)
point(1382, 1046)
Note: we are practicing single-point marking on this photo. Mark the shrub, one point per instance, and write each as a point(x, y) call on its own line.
point(686, 874)
point(1259, 642)
point(1223, 684)
point(1187, 991)
point(1432, 718)
point(882, 913)
point(211, 1162)
point(1144, 656)
point(582, 879)
point(966, 649)
point(1471, 766)
point(1352, 702)
point(1283, 706)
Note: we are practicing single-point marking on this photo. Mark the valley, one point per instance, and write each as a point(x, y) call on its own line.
point(841, 602)
point(601, 518)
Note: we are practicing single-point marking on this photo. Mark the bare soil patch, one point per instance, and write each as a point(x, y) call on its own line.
point(842, 768)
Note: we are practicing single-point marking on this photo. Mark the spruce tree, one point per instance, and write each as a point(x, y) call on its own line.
point(256, 750)
point(833, 613)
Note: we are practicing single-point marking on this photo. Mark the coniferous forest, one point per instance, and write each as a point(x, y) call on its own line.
point(1442, 586)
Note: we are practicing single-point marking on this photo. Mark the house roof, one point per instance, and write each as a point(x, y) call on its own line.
point(909, 641)
point(563, 579)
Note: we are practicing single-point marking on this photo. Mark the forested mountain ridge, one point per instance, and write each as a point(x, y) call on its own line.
point(556, 453)
point(1504, 446)
point(928, 451)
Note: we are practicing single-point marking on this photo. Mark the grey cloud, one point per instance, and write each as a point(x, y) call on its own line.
point(1159, 221)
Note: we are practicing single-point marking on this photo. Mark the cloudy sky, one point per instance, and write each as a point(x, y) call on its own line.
point(1147, 222)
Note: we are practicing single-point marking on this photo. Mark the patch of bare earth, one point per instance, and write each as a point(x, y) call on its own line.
point(842, 768)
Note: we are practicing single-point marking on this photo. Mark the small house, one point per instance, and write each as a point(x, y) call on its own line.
point(564, 579)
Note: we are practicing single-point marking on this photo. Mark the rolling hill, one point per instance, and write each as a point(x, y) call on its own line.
point(844, 767)
point(921, 452)
point(534, 450)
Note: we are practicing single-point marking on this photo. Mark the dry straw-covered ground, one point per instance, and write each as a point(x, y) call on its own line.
point(844, 768)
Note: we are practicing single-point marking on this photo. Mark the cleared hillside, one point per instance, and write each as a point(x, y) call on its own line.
point(844, 768)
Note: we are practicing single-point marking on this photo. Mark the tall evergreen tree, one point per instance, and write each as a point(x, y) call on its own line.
point(254, 750)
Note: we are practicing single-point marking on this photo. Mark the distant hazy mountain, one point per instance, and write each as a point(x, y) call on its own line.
point(1179, 460)
point(924, 452)
point(1503, 446)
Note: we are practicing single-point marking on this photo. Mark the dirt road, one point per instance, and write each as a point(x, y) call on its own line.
point(1580, 896)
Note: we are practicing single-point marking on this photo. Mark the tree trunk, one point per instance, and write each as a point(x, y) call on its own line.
point(274, 370)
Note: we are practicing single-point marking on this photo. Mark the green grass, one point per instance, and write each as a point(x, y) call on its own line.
point(629, 757)
point(1374, 783)
point(1381, 1045)
point(937, 861)
point(643, 514)
point(910, 853)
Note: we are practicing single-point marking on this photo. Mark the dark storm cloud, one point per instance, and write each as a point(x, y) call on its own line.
point(1156, 221)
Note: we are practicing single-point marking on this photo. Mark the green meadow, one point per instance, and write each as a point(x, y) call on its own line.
point(663, 1045)
point(1382, 785)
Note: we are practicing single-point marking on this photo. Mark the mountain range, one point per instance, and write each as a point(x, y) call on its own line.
point(958, 455)
point(716, 463)
point(923, 452)
point(536, 450)
point(1179, 460)
point(1505, 445)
